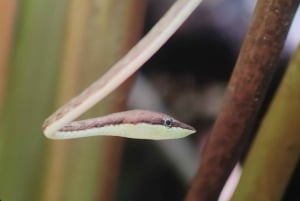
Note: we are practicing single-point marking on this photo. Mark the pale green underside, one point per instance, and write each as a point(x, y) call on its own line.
point(137, 131)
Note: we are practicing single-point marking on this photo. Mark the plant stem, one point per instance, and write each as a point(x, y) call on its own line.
point(7, 17)
point(246, 90)
point(96, 39)
point(276, 149)
point(33, 66)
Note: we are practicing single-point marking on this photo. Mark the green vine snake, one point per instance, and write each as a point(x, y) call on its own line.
point(139, 124)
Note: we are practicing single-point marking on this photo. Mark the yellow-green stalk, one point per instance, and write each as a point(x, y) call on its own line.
point(276, 149)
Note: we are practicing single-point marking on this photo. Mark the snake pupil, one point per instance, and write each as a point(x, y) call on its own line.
point(168, 123)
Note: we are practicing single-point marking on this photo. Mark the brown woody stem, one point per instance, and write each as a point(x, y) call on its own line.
point(246, 90)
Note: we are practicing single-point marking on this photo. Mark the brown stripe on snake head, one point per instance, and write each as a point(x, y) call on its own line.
point(127, 117)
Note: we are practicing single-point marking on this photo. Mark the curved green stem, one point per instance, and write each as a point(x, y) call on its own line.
point(276, 149)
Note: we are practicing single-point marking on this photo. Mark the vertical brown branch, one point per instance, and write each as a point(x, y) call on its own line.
point(276, 149)
point(7, 17)
point(246, 90)
point(114, 145)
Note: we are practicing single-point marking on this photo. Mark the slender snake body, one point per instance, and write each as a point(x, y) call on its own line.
point(140, 124)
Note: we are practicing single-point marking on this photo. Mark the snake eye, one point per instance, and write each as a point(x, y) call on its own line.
point(168, 122)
